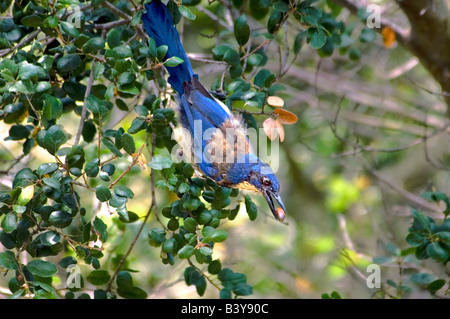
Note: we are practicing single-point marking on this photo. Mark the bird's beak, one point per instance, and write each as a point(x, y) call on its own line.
point(279, 213)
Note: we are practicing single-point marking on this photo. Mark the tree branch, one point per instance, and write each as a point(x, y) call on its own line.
point(428, 38)
point(21, 44)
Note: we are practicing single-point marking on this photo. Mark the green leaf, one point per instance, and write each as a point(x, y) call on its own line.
point(255, 59)
point(102, 193)
point(123, 191)
point(204, 217)
point(111, 146)
point(173, 61)
point(335, 295)
point(69, 29)
point(367, 35)
point(190, 224)
point(251, 208)
point(98, 277)
point(118, 202)
point(19, 209)
point(51, 22)
point(243, 290)
point(128, 143)
point(201, 286)
point(422, 278)
point(217, 236)
point(274, 21)
point(92, 168)
point(17, 294)
point(50, 238)
point(137, 125)
point(152, 48)
point(317, 37)
point(281, 6)
point(219, 51)
point(186, 252)
point(214, 267)
point(420, 218)
point(44, 291)
point(129, 89)
point(33, 21)
point(435, 285)
point(414, 239)
point(185, 12)
point(259, 8)
point(126, 78)
point(68, 62)
point(93, 45)
point(241, 30)
point(97, 106)
point(192, 204)
point(7, 260)
point(6, 24)
point(27, 71)
point(53, 183)
point(26, 195)
point(60, 218)
point(232, 57)
point(173, 224)
point(113, 38)
point(54, 138)
point(169, 245)
point(133, 293)
point(124, 280)
point(160, 162)
point(46, 168)
point(161, 52)
point(444, 236)
point(156, 237)
point(261, 77)
point(101, 227)
point(235, 71)
point(41, 268)
point(183, 188)
point(205, 250)
point(437, 252)
point(109, 169)
point(123, 51)
point(225, 293)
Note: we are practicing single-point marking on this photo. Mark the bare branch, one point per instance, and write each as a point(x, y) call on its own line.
point(21, 44)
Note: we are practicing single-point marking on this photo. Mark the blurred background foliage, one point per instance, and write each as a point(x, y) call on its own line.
point(372, 136)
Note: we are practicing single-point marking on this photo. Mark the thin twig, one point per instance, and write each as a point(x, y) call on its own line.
point(153, 206)
point(197, 57)
point(215, 18)
point(21, 44)
point(125, 16)
point(418, 201)
point(110, 25)
point(135, 160)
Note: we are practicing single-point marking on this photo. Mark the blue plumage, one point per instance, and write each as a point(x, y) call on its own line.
point(159, 25)
point(230, 162)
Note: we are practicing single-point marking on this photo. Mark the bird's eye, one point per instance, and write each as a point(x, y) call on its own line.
point(266, 181)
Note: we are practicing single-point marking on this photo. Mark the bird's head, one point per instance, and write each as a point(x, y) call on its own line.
point(266, 182)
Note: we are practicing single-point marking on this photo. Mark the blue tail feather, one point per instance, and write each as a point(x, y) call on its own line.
point(159, 25)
